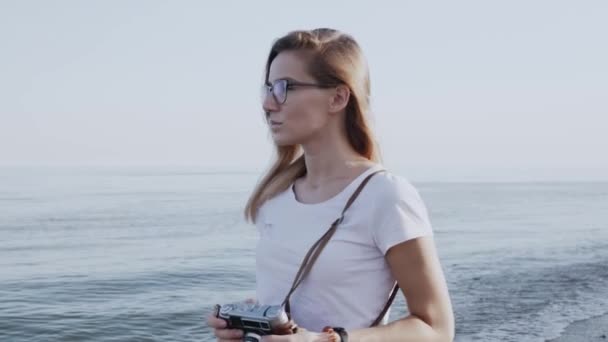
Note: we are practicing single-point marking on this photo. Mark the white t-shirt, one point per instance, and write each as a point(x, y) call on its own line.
point(350, 282)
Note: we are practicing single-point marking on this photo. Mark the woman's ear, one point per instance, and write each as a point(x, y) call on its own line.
point(339, 99)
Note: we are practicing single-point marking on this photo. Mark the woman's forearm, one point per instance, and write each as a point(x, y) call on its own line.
point(407, 329)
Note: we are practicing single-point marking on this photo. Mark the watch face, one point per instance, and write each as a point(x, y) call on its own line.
point(343, 334)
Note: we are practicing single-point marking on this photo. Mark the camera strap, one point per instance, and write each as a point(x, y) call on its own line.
point(317, 248)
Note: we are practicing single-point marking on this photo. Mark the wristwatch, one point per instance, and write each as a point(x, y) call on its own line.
point(342, 332)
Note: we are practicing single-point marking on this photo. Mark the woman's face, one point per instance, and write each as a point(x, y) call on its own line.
point(304, 113)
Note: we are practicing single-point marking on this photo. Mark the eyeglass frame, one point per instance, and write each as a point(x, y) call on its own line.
point(291, 85)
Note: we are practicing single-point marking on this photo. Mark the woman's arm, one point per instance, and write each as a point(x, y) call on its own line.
point(416, 267)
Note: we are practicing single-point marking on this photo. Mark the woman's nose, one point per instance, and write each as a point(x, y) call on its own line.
point(269, 104)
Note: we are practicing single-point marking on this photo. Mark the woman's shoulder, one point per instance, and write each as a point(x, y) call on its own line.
point(389, 186)
point(399, 212)
point(275, 203)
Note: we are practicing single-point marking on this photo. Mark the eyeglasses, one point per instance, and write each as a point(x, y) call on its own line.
point(280, 87)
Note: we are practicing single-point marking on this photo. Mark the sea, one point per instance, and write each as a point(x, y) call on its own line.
point(142, 254)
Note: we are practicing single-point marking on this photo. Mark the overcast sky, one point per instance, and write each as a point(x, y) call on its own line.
point(505, 90)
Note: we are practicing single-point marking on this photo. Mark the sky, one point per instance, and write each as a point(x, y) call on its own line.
point(461, 90)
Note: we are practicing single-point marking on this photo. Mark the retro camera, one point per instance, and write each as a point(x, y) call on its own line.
point(254, 319)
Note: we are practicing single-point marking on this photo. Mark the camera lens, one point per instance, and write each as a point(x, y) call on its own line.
point(251, 337)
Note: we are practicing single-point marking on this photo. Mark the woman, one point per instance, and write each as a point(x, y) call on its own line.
point(316, 101)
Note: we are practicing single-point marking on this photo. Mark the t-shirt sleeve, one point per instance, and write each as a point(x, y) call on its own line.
point(401, 215)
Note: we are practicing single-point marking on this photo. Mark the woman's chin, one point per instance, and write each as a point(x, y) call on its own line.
point(280, 141)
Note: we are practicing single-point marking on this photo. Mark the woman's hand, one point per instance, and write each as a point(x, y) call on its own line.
point(304, 335)
point(221, 332)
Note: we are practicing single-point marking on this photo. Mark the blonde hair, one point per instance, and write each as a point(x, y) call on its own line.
point(334, 58)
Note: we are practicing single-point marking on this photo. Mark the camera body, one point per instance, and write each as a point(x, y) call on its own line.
point(254, 319)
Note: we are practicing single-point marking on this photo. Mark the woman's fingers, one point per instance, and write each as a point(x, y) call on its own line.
point(220, 331)
point(219, 327)
point(228, 334)
point(215, 322)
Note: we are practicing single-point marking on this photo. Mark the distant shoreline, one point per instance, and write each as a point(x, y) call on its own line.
point(209, 170)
